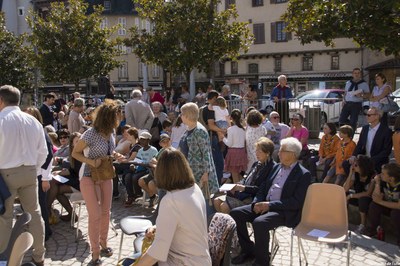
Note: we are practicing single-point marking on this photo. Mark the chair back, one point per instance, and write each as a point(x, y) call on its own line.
point(21, 246)
point(326, 205)
point(19, 227)
point(220, 232)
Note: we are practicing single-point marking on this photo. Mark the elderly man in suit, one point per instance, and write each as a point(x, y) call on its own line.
point(138, 113)
point(278, 202)
point(375, 141)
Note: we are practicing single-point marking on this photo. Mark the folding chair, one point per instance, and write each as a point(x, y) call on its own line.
point(323, 219)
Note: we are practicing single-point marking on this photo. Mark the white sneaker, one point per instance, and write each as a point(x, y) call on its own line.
point(360, 229)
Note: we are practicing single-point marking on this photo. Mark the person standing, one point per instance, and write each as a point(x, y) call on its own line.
point(380, 95)
point(138, 113)
point(46, 110)
point(23, 151)
point(280, 94)
point(355, 91)
point(75, 119)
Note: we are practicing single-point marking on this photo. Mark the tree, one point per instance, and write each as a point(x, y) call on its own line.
point(71, 45)
point(14, 59)
point(187, 34)
point(374, 24)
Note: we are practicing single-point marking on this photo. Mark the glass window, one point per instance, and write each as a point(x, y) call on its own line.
point(123, 70)
point(257, 3)
point(104, 23)
point(253, 68)
point(307, 63)
point(228, 3)
point(122, 26)
point(234, 67)
point(278, 64)
point(259, 33)
point(335, 62)
point(280, 33)
point(107, 5)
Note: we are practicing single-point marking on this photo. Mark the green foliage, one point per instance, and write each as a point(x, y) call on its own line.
point(188, 34)
point(14, 59)
point(71, 45)
point(371, 23)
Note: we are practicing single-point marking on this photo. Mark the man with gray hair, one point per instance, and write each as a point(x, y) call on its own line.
point(138, 113)
point(279, 202)
point(23, 151)
point(75, 118)
point(280, 94)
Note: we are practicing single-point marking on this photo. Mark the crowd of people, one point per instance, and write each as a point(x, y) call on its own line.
point(179, 152)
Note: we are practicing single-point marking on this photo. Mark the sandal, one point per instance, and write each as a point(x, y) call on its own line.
point(106, 252)
point(95, 262)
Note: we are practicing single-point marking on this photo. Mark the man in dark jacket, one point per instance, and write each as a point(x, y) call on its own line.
point(278, 202)
point(46, 110)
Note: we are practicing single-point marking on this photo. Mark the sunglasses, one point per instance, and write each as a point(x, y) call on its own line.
point(370, 115)
point(294, 119)
point(63, 137)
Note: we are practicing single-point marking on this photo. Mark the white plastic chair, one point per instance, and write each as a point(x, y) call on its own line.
point(21, 246)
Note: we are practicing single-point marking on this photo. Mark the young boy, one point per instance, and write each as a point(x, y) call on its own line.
point(147, 182)
point(344, 150)
point(146, 153)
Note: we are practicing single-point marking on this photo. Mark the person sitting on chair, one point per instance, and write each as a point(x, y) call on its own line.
point(279, 202)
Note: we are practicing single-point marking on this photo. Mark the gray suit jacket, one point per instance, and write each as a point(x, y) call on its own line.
point(139, 114)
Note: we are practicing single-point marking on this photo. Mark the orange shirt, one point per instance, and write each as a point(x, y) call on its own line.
point(328, 146)
point(344, 151)
point(396, 146)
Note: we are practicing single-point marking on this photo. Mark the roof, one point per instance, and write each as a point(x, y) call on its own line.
point(391, 63)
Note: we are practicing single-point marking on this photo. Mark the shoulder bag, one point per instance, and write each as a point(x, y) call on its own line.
point(105, 170)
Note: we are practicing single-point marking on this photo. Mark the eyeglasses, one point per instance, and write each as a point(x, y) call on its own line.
point(275, 117)
point(63, 137)
point(370, 115)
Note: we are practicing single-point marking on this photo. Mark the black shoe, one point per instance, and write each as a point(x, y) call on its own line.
point(242, 258)
point(96, 262)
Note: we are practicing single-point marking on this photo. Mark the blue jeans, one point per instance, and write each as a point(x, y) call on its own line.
point(217, 157)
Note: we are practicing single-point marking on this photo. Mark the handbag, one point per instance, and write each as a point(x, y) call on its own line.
point(392, 106)
point(105, 170)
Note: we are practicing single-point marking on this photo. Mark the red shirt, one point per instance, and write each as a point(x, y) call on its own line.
point(157, 98)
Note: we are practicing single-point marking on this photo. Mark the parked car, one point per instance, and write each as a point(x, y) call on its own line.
point(330, 101)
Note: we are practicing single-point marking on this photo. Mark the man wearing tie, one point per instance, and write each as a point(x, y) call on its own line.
point(278, 202)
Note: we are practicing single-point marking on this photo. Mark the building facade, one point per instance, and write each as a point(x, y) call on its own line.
point(277, 52)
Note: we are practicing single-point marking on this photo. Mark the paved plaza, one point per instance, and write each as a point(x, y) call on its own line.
point(62, 249)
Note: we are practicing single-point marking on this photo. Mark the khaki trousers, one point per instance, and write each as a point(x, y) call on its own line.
point(22, 182)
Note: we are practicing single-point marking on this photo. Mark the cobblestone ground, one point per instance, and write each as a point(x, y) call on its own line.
point(62, 249)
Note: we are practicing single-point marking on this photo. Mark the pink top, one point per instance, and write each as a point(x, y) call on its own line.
point(301, 133)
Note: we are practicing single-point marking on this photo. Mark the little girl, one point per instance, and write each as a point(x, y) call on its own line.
point(221, 114)
point(236, 158)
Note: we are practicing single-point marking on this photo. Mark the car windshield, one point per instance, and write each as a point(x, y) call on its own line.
point(311, 95)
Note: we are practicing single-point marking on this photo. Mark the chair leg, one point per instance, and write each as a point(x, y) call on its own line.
point(274, 246)
point(77, 226)
point(348, 248)
point(302, 249)
point(291, 248)
point(298, 247)
point(120, 246)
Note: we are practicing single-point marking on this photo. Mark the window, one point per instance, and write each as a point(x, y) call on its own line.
point(122, 26)
point(156, 71)
point(219, 69)
point(21, 11)
point(278, 33)
point(123, 71)
point(228, 3)
point(234, 67)
point(104, 23)
point(122, 49)
point(278, 64)
point(335, 62)
point(257, 3)
point(107, 5)
point(253, 68)
point(307, 63)
point(278, 1)
point(140, 70)
point(259, 33)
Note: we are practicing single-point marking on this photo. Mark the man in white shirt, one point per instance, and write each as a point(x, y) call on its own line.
point(22, 153)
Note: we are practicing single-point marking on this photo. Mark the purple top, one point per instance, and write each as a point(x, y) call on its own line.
point(299, 134)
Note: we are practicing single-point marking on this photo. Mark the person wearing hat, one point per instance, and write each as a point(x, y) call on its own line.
point(147, 182)
point(145, 154)
point(75, 119)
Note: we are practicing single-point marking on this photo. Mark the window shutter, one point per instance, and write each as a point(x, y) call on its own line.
point(273, 32)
